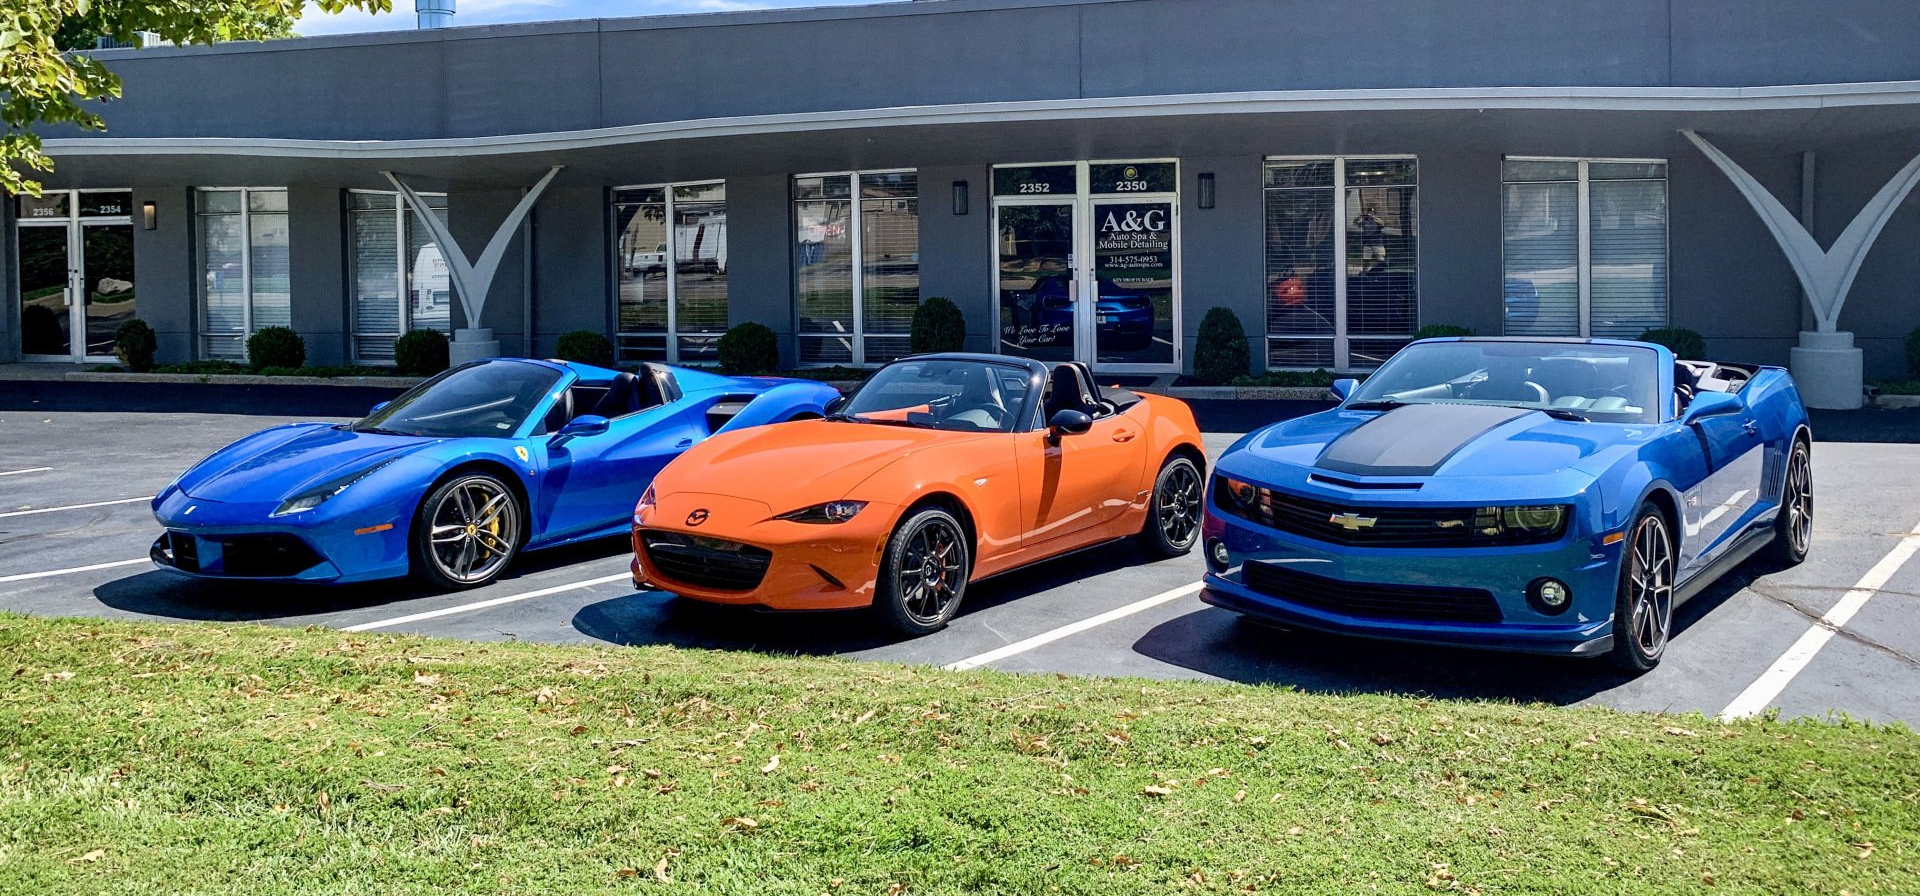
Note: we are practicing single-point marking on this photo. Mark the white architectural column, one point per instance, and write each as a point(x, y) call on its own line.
point(472, 279)
point(1826, 365)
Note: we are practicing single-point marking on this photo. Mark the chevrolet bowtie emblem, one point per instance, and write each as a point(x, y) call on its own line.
point(1352, 522)
point(697, 517)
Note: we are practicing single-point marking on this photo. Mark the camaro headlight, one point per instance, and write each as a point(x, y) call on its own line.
point(1535, 520)
point(320, 494)
point(1242, 493)
point(830, 512)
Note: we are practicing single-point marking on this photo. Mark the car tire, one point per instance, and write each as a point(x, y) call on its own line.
point(1172, 526)
point(466, 532)
point(1643, 603)
point(1793, 527)
point(924, 572)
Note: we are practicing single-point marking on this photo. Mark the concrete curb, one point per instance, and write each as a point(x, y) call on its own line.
point(242, 379)
point(1894, 401)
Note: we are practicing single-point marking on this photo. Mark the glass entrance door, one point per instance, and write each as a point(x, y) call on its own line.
point(106, 281)
point(1037, 284)
point(1133, 273)
point(76, 273)
point(46, 280)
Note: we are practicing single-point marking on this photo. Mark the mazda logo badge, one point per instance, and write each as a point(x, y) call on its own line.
point(697, 517)
point(1352, 522)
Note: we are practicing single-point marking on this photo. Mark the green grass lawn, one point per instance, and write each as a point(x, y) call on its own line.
point(145, 758)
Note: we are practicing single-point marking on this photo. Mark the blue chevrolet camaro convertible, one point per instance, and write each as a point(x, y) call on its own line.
point(1552, 496)
point(455, 477)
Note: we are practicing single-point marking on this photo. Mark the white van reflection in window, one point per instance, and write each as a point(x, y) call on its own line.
point(431, 294)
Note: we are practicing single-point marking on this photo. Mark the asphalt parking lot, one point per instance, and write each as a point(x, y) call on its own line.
point(77, 464)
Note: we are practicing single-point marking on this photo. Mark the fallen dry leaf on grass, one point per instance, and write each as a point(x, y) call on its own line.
point(660, 871)
point(92, 855)
point(772, 764)
point(1156, 790)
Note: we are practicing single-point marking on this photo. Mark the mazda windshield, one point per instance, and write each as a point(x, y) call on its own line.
point(942, 393)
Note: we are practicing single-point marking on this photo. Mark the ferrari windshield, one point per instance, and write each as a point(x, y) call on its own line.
point(1612, 383)
point(491, 398)
point(941, 393)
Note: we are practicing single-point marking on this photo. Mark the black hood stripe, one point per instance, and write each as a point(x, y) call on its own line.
point(1414, 440)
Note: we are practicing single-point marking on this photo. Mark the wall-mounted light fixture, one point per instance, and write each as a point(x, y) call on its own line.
point(1206, 189)
point(959, 197)
point(149, 216)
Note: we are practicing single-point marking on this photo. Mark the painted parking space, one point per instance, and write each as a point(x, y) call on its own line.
point(1093, 613)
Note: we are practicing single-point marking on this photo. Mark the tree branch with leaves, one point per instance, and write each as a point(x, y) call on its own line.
point(47, 78)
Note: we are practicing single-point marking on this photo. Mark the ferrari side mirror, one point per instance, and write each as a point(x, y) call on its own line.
point(1711, 404)
point(376, 408)
point(1068, 422)
point(1342, 388)
point(578, 427)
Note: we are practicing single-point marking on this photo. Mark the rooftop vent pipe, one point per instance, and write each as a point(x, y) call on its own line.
point(434, 13)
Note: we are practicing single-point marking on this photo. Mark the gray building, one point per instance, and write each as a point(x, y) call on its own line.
point(1085, 179)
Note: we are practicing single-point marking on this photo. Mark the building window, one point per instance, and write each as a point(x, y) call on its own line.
point(670, 272)
point(243, 266)
point(1584, 246)
point(885, 238)
point(1341, 297)
point(399, 278)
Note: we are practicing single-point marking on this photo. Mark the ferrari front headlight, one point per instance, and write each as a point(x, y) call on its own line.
point(322, 493)
point(830, 512)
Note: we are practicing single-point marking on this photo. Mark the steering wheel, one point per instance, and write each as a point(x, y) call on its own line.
point(1541, 391)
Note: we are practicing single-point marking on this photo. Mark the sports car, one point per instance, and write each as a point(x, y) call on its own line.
point(452, 479)
point(1124, 317)
point(940, 471)
point(1553, 496)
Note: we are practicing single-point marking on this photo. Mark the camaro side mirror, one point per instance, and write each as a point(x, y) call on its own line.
point(578, 427)
point(1711, 404)
point(1342, 388)
point(1068, 422)
point(835, 406)
point(376, 408)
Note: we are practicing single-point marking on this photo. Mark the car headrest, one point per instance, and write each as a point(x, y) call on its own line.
point(623, 397)
point(1065, 392)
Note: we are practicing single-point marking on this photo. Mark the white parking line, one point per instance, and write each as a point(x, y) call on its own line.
point(21, 577)
point(1759, 695)
point(28, 470)
point(1048, 637)
point(481, 605)
point(74, 507)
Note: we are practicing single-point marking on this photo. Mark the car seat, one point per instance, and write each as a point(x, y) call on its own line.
point(1066, 392)
point(623, 397)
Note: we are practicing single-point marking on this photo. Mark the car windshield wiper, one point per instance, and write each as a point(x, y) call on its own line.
point(1561, 414)
point(1378, 404)
point(382, 432)
point(882, 421)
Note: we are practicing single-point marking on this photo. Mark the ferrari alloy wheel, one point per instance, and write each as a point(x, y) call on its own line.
point(1793, 528)
point(925, 572)
point(1643, 614)
point(467, 532)
point(1173, 514)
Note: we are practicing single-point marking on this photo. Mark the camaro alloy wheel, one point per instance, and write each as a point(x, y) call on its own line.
point(1643, 616)
point(1173, 518)
point(467, 532)
point(1793, 529)
point(925, 574)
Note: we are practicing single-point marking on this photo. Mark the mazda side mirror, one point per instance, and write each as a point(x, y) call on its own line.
point(376, 408)
point(1068, 422)
point(1342, 388)
point(1712, 404)
point(580, 427)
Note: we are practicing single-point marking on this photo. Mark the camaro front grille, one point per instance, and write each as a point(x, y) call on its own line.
point(1377, 526)
point(1371, 601)
point(706, 562)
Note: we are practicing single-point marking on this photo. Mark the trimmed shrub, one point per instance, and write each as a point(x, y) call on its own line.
point(203, 368)
point(938, 326)
point(1683, 342)
point(586, 347)
point(749, 349)
point(1436, 331)
point(1220, 350)
point(1913, 354)
point(134, 344)
point(1294, 378)
point(420, 352)
point(276, 347)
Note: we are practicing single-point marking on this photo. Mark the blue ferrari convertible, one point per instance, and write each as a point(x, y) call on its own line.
point(1553, 496)
point(458, 475)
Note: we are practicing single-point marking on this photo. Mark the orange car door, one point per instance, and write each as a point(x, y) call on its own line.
point(1080, 482)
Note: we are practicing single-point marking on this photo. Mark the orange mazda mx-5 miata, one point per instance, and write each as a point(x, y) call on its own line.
point(939, 471)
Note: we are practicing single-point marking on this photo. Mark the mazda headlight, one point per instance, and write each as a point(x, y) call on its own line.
point(647, 500)
point(830, 512)
point(320, 494)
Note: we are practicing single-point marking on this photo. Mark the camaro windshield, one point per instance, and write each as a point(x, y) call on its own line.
point(1617, 384)
point(963, 396)
point(488, 399)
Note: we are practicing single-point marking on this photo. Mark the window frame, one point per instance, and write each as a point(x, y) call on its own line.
point(856, 230)
point(1583, 258)
point(203, 346)
point(403, 224)
point(672, 333)
point(1342, 340)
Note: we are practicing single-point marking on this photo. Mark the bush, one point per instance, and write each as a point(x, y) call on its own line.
point(41, 332)
point(1436, 331)
point(749, 349)
point(202, 368)
point(1292, 378)
point(586, 347)
point(1683, 342)
point(1913, 354)
point(276, 347)
point(938, 326)
point(1220, 348)
point(134, 344)
point(420, 352)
